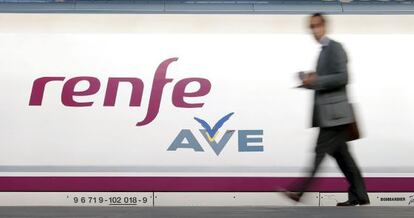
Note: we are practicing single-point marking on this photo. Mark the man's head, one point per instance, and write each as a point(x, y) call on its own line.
point(317, 23)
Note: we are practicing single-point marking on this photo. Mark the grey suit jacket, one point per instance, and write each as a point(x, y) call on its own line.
point(331, 104)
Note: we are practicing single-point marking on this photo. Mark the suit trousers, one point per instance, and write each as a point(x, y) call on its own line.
point(332, 141)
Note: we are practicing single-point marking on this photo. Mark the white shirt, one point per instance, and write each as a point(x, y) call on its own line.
point(324, 41)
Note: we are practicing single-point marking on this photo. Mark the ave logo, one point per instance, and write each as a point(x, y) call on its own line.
point(248, 140)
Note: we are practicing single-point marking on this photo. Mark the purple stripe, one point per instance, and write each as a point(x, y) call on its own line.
point(233, 184)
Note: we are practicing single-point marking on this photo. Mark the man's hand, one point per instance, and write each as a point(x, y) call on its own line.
point(309, 79)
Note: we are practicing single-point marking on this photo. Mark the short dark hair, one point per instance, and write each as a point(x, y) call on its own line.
point(320, 15)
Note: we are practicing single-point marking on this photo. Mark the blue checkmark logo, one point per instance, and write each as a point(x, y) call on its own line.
point(213, 131)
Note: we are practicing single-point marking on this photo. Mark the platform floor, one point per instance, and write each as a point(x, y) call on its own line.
point(202, 212)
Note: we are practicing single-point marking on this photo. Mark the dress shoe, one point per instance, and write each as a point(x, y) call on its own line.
point(353, 203)
point(363, 202)
point(293, 196)
point(347, 203)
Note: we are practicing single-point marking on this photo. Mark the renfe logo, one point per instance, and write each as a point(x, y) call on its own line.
point(160, 80)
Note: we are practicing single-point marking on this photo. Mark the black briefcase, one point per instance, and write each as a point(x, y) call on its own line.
point(353, 129)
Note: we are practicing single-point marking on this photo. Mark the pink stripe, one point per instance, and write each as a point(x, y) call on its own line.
point(192, 184)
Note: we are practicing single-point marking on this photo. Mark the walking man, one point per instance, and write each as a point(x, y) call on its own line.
point(332, 113)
